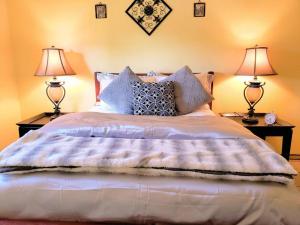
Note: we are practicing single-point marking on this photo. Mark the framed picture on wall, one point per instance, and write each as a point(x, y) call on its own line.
point(101, 11)
point(199, 9)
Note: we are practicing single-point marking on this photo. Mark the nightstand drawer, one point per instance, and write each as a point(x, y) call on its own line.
point(25, 130)
point(269, 131)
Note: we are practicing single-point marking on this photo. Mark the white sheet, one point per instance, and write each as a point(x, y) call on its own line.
point(146, 127)
point(182, 200)
point(102, 107)
point(203, 110)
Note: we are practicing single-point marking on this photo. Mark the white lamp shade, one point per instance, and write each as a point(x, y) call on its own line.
point(256, 63)
point(54, 63)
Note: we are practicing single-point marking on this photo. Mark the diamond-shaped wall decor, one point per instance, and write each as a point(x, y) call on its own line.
point(149, 14)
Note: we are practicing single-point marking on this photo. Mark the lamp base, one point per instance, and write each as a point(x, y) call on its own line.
point(250, 120)
point(56, 93)
point(54, 116)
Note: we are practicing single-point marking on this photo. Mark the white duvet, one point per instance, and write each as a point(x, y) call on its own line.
point(113, 197)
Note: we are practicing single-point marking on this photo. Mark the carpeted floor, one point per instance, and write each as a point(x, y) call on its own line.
point(296, 165)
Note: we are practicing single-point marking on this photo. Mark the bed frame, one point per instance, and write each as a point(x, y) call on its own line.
point(97, 83)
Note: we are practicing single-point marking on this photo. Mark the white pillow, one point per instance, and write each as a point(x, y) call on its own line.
point(203, 110)
point(105, 79)
point(148, 79)
point(151, 74)
point(205, 79)
point(157, 76)
point(102, 107)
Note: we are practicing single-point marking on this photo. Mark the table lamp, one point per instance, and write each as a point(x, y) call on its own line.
point(54, 63)
point(256, 63)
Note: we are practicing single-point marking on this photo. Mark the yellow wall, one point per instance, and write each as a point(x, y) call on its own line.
point(215, 42)
point(9, 103)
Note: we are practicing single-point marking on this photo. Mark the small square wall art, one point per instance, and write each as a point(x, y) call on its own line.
point(199, 9)
point(101, 11)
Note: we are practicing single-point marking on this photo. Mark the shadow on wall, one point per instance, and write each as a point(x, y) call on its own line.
point(230, 88)
point(79, 86)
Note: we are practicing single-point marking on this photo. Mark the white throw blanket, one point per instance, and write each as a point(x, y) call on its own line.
point(234, 159)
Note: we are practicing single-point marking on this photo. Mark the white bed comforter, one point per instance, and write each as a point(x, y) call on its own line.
point(182, 200)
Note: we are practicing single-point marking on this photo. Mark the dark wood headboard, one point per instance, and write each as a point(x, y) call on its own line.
point(97, 84)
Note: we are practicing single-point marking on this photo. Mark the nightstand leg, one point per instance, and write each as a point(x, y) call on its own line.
point(286, 143)
point(263, 137)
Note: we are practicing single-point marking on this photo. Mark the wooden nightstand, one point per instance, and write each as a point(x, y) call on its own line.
point(34, 123)
point(262, 130)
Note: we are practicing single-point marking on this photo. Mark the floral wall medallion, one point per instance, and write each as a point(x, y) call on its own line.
point(149, 14)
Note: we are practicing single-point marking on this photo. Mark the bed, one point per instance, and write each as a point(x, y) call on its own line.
point(107, 168)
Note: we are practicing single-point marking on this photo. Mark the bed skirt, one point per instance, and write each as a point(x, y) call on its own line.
point(40, 222)
point(36, 222)
point(28, 222)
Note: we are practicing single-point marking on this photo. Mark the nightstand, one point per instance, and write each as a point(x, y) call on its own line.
point(262, 130)
point(35, 122)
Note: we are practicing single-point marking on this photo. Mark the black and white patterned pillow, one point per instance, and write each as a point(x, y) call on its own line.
point(154, 98)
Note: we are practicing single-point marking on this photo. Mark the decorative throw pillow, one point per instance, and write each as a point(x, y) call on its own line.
point(154, 98)
point(118, 94)
point(189, 92)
